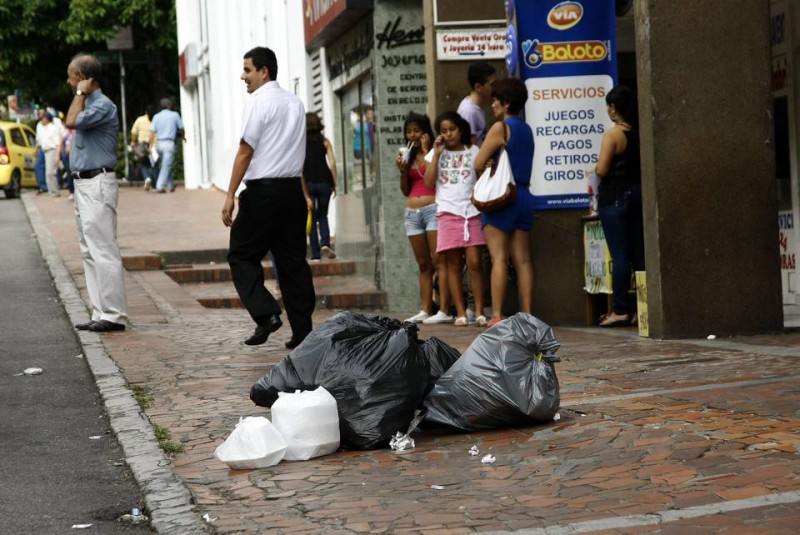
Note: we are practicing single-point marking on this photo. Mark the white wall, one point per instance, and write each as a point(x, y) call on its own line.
point(212, 108)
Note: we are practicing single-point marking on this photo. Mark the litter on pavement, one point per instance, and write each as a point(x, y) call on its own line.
point(30, 371)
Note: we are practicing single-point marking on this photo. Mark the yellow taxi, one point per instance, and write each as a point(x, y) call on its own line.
point(17, 158)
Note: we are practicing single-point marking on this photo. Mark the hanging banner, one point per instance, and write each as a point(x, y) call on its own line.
point(568, 61)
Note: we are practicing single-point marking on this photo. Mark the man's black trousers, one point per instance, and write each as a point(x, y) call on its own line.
point(272, 217)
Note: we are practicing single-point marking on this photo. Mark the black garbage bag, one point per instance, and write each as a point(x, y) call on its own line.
point(440, 355)
point(373, 367)
point(506, 377)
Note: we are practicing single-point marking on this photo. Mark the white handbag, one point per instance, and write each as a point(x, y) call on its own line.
point(495, 188)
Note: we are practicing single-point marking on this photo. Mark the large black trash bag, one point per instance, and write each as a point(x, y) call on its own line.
point(372, 366)
point(506, 377)
point(440, 355)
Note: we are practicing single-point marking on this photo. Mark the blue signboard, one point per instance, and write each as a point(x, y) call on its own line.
point(568, 61)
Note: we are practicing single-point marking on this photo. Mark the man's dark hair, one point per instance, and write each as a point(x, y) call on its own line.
point(511, 91)
point(262, 56)
point(89, 66)
point(478, 73)
point(150, 110)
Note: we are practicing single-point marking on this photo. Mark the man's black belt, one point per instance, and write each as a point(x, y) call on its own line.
point(91, 173)
point(270, 181)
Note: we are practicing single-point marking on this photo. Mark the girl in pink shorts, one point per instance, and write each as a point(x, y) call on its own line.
point(452, 173)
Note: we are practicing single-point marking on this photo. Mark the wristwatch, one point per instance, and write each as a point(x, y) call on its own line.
point(79, 92)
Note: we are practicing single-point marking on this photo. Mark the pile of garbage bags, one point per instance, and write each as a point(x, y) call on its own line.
point(375, 367)
point(379, 373)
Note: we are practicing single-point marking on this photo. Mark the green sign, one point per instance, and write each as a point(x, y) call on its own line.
point(107, 56)
point(111, 57)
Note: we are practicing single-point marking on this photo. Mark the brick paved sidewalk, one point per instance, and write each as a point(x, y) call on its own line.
point(690, 436)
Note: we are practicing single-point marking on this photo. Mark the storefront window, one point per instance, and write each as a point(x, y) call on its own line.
point(358, 134)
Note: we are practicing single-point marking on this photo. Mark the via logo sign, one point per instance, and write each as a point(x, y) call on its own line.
point(565, 15)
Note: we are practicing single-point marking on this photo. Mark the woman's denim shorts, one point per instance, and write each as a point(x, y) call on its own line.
point(421, 220)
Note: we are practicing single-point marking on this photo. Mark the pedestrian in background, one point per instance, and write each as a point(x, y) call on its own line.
point(39, 166)
point(272, 209)
point(507, 228)
point(66, 147)
point(92, 160)
point(619, 203)
point(140, 146)
point(319, 172)
point(47, 143)
point(481, 75)
point(165, 130)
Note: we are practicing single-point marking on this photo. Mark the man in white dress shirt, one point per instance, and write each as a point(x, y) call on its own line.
point(272, 209)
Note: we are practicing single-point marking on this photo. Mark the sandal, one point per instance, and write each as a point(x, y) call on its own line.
point(461, 321)
point(622, 320)
point(480, 321)
point(494, 321)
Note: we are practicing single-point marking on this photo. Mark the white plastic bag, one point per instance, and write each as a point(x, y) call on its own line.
point(308, 421)
point(254, 443)
point(153, 155)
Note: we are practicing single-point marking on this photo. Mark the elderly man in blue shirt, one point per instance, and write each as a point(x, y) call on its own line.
point(165, 129)
point(92, 160)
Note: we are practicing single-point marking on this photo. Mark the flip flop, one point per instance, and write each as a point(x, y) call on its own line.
point(624, 321)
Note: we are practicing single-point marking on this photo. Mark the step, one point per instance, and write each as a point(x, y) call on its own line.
point(134, 260)
point(333, 292)
point(220, 272)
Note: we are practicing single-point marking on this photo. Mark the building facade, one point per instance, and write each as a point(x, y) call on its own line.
point(212, 38)
point(719, 140)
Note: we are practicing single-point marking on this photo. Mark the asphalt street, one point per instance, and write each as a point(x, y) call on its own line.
point(60, 464)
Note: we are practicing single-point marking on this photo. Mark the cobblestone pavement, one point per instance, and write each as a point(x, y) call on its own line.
point(688, 436)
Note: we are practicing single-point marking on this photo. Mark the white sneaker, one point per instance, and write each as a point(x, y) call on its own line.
point(439, 317)
point(470, 316)
point(327, 252)
point(148, 184)
point(419, 317)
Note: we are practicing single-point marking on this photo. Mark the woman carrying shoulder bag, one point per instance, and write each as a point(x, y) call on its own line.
point(506, 229)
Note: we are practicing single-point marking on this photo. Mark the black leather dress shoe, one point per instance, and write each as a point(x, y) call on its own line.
point(84, 326)
point(263, 331)
point(105, 326)
point(292, 342)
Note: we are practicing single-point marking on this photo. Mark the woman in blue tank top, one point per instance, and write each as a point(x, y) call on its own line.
point(506, 230)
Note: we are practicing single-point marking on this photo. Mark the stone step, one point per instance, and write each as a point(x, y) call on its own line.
point(333, 291)
point(220, 272)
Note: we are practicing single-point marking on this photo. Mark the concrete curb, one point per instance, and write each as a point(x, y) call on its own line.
point(169, 503)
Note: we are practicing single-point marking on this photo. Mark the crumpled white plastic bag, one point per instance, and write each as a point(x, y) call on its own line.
point(254, 443)
point(308, 421)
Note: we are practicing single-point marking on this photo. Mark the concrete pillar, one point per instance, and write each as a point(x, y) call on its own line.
point(708, 167)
